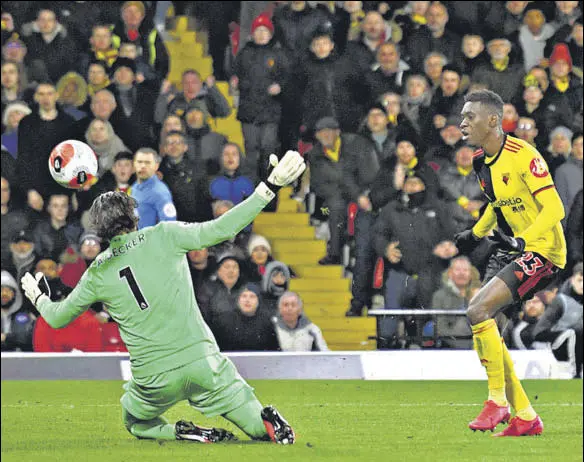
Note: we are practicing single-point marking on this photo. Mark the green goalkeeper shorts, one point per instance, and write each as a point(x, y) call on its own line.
point(212, 385)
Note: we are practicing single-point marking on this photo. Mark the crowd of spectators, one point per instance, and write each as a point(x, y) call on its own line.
point(369, 92)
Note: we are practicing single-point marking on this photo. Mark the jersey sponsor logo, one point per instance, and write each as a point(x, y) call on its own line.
point(538, 168)
point(169, 210)
point(508, 202)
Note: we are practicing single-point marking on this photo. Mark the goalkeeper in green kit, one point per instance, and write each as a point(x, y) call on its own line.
point(143, 278)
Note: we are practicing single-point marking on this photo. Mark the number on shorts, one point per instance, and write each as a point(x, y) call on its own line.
point(529, 263)
point(131, 280)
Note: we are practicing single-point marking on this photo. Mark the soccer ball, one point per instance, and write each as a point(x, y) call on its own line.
point(73, 164)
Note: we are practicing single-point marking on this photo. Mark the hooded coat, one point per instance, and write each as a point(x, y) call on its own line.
point(271, 292)
point(17, 322)
point(74, 109)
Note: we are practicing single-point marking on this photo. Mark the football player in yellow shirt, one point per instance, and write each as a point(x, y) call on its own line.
point(524, 212)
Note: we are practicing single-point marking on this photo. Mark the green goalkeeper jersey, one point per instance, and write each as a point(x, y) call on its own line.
point(143, 278)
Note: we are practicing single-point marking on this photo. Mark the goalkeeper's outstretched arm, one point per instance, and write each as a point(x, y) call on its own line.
point(59, 314)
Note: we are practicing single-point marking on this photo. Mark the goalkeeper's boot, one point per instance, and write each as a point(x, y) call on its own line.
point(188, 431)
point(491, 416)
point(278, 429)
point(520, 427)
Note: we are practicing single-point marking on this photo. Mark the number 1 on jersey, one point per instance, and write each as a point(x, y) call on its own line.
point(131, 280)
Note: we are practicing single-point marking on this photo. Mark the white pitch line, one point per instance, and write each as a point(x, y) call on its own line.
point(72, 406)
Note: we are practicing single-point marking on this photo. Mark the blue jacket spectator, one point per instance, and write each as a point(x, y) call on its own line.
point(154, 198)
point(231, 185)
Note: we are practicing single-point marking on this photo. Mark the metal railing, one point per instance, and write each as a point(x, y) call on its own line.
point(422, 313)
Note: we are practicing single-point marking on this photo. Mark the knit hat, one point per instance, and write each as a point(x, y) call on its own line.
point(22, 235)
point(17, 106)
point(378, 105)
point(89, 235)
point(124, 62)
point(222, 258)
point(405, 136)
point(262, 20)
point(561, 52)
point(139, 5)
point(252, 287)
point(255, 241)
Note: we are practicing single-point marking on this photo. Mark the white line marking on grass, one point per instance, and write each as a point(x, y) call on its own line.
point(72, 406)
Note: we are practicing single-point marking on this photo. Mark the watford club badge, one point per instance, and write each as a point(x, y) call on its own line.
point(270, 62)
point(505, 178)
point(538, 168)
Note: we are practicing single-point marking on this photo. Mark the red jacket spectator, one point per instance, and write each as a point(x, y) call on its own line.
point(84, 334)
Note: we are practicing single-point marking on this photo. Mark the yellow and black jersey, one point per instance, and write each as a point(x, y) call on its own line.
point(518, 185)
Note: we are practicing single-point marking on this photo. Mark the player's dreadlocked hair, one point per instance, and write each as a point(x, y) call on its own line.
point(113, 213)
point(488, 98)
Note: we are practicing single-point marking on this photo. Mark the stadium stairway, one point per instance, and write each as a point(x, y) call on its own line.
point(324, 290)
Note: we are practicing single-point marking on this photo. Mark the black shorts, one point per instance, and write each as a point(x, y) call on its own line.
point(524, 274)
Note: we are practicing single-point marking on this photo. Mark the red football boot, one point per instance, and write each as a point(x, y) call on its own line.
point(520, 427)
point(491, 416)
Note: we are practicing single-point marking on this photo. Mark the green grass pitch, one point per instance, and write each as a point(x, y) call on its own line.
point(80, 421)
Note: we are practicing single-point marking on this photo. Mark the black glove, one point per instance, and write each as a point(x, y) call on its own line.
point(466, 241)
point(44, 286)
point(508, 243)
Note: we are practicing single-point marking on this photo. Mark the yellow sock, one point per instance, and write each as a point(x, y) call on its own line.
point(487, 343)
point(515, 392)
